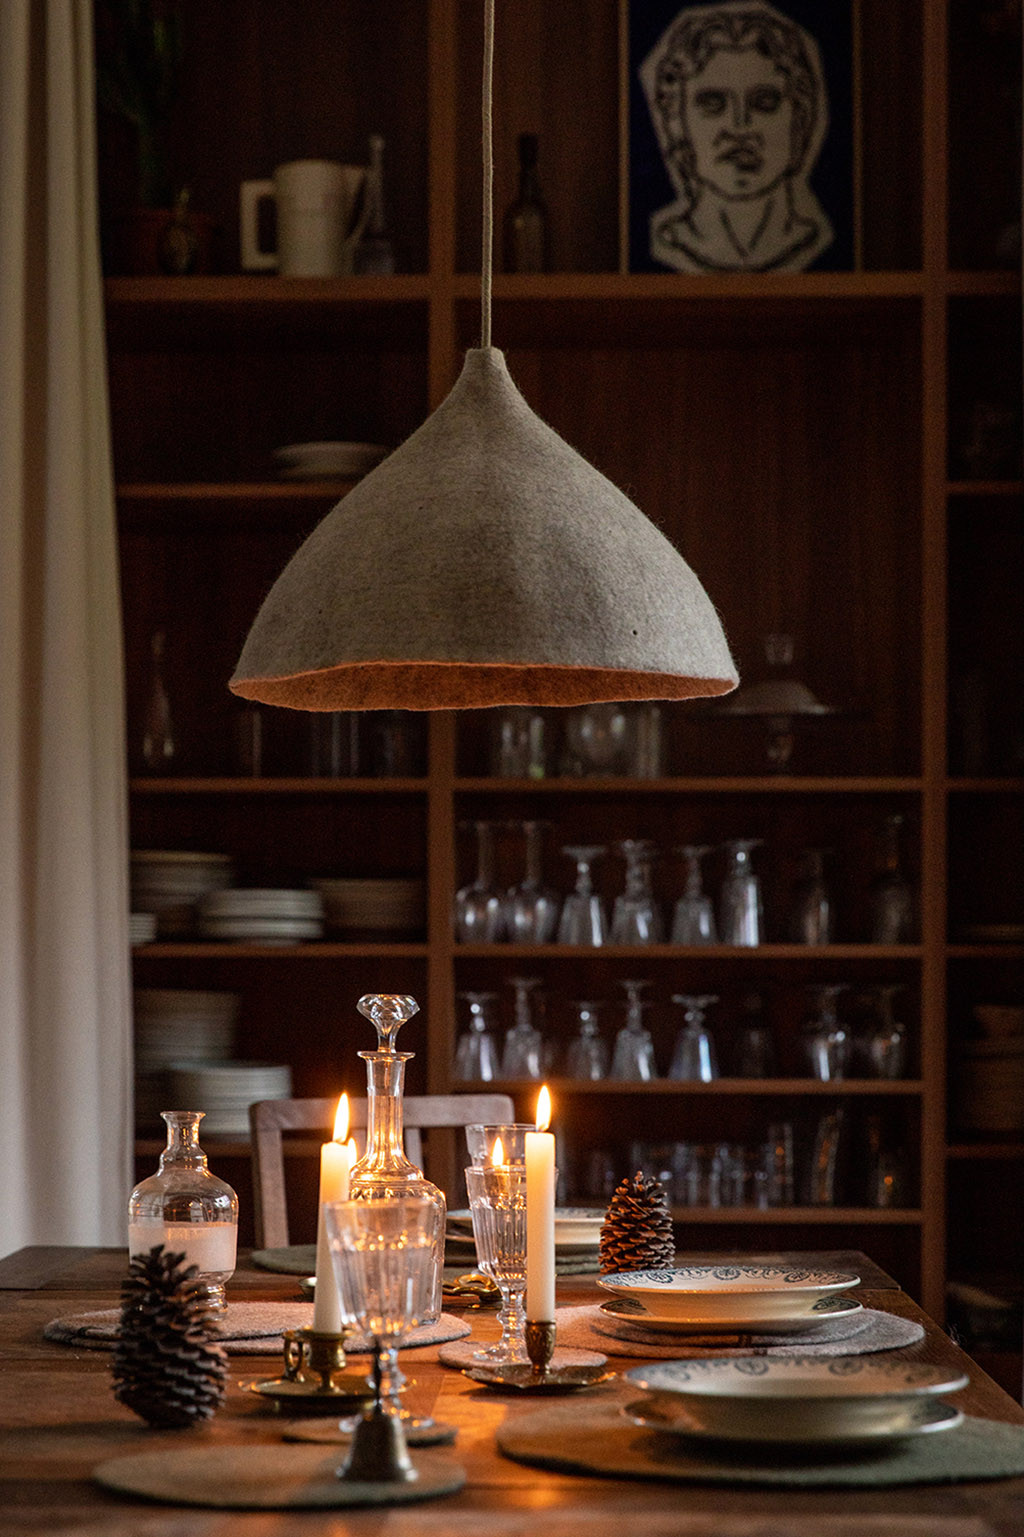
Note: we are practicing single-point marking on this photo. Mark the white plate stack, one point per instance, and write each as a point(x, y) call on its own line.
point(385, 904)
point(170, 882)
point(225, 1090)
point(262, 915)
point(177, 1025)
point(141, 928)
point(327, 461)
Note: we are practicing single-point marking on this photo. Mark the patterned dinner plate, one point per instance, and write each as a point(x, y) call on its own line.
point(710, 1294)
point(916, 1418)
point(829, 1308)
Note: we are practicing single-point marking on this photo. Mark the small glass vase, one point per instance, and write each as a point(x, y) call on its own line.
point(186, 1208)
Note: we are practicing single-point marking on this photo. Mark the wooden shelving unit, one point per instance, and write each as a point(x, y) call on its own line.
point(806, 441)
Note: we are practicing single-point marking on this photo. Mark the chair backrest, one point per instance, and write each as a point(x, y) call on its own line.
point(270, 1118)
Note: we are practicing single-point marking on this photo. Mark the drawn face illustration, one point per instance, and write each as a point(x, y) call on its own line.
point(739, 119)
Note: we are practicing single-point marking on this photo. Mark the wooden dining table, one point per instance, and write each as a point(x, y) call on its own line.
point(59, 1420)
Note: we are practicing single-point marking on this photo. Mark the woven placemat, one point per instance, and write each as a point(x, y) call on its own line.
point(590, 1435)
point(589, 1329)
point(462, 1353)
point(290, 1477)
point(249, 1329)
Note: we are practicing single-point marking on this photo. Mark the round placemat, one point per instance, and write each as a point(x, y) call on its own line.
point(588, 1328)
point(330, 1432)
point(463, 1353)
point(292, 1259)
point(249, 1328)
point(267, 1478)
point(592, 1436)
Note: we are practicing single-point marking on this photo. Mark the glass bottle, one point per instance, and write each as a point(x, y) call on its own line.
point(158, 745)
point(186, 1208)
point(375, 251)
point(811, 913)
point(741, 915)
point(892, 901)
point(526, 218)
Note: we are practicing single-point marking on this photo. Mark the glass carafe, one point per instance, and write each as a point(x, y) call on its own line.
point(694, 1059)
point(633, 1057)
point(531, 910)
point(741, 914)
point(892, 900)
point(811, 913)
point(693, 921)
point(480, 906)
point(186, 1208)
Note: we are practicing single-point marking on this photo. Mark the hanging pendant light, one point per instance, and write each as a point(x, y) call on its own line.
point(484, 562)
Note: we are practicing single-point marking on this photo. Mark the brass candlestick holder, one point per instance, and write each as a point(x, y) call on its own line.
point(315, 1380)
point(540, 1344)
point(540, 1376)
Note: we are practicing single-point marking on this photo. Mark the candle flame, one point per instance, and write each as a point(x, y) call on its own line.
point(341, 1120)
point(543, 1109)
point(497, 1152)
point(352, 1154)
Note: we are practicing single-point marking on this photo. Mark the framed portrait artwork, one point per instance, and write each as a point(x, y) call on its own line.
point(740, 146)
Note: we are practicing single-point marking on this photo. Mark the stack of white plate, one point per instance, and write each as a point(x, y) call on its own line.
point(796, 1400)
point(730, 1299)
point(327, 461)
point(577, 1235)
point(177, 1025)
point(141, 928)
point(169, 883)
point(385, 904)
point(225, 1090)
point(262, 915)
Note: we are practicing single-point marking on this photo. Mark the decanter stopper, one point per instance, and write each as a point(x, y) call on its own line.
point(387, 1012)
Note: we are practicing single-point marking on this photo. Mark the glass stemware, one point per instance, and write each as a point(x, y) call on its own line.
point(518, 743)
point(523, 1056)
point(755, 1044)
point(693, 920)
point(584, 920)
point(826, 1039)
point(741, 914)
point(633, 1057)
point(598, 740)
point(531, 909)
point(480, 906)
point(636, 918)
point(497, 1202)
point(385, 1256)
point(882, 1047)
point(694, 1059)
point(476, 1054)
point(587, 1056)
point(811, 913)
point(892, 900)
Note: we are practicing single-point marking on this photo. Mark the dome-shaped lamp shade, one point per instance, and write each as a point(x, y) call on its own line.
point(483, 563)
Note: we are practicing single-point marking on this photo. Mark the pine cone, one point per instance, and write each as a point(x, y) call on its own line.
point(637, 1231)
point(168, 1366)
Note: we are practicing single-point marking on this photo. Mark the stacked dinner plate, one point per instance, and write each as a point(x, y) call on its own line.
point(730, 1299)
point(810, 1401)
point(169, 883)
point(141, 928)
point(262, 915)
point(327, 461)
point(577, 1238)
point(177, 1025)
point(385, 904)
point(225, 1090)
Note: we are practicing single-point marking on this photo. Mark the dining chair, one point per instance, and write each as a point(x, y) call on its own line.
point(269, 1119)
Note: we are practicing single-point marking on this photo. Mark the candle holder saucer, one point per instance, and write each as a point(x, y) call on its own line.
point(524, 1378)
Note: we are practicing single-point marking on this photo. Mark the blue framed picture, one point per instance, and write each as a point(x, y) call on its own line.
point(741, 136)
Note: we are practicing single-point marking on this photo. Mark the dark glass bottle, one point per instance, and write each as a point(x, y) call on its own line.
point(526, 219)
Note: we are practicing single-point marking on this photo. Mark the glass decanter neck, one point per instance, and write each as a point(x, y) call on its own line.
point(183, 1139)
point(385, 1153)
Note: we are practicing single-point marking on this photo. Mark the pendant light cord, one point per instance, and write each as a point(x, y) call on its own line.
point(488, 177)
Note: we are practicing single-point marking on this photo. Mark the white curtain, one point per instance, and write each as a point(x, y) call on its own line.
point(65, 989)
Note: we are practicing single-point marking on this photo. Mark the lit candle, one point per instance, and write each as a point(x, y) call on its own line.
point(335, 1167)
point(540, 1216)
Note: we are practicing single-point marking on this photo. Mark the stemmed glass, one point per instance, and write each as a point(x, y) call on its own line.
point(741, 915)
point(693, 921)
point(524, 1047)
point(476, 1055)
point(480, 907)
point(694, 1059)
point(826, 1041)
point(385, 1257)
point(531, 909)
point(811, 913)
point(497, 1202)
point(588, 1051)
point(584, 920)
point(633, 1058)
point(636, 919)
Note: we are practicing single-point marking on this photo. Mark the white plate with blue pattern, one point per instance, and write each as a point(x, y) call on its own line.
point(740, 1295)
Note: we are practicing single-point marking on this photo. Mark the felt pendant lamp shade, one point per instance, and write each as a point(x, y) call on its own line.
point(484, 562)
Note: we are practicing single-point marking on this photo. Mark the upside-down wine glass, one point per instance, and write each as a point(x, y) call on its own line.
point(480, 906)
point(476, 1054)
point(636, 919)
point(633, 1057)
point(694, 1059)
point(531, 909)
point(693, 920)
point(587, 1057)
point(523, 1056)
point(584, 920)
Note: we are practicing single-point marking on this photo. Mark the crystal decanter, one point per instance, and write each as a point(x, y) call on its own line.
point(186, 1208)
